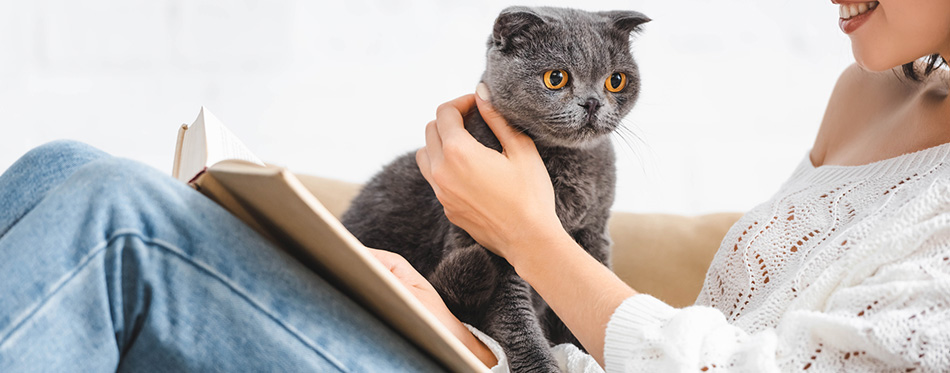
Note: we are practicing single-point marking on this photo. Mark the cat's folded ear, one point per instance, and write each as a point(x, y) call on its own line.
point(626, 20)
point(512, 24)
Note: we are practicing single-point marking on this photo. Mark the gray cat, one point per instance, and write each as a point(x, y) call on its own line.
point(566, 78)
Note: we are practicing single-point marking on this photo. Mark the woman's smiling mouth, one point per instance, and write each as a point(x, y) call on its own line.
point(853, 15)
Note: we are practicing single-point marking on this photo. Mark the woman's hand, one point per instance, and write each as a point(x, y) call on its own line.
point(503, 200)
point(423, 290)
point(506, 203)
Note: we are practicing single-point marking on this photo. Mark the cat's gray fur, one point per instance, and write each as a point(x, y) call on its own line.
point(397, 210)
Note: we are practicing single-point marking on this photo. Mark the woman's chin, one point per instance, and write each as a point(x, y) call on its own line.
point(875, 60)
point(874, 63)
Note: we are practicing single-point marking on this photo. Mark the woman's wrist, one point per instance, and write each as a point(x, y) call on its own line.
point(582, 291)
point(532, 243)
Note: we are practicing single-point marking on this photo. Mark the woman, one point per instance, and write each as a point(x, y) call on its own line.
point(847, 267)
point(105, 264)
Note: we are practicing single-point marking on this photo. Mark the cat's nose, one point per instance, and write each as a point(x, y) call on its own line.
point(592, 104)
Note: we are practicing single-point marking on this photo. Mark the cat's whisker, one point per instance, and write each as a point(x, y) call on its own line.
point(627, 146)
point(623, 128)
point(520, 131)
point(558, 118)
point(640, 148)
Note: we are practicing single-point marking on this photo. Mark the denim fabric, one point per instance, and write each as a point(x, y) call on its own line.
point(106, 264)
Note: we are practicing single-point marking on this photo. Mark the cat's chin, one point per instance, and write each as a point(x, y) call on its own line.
point(582, 138)
point(580, 142)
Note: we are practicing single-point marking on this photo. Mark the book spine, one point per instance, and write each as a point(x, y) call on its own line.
point(181, 139)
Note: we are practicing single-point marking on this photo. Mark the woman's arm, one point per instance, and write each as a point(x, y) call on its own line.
point(896, 319)
point(584, 294)
point(506, 202)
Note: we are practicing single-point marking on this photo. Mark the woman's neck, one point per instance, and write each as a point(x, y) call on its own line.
point(875, 116)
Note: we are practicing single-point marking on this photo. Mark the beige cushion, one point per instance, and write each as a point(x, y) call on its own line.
point(662, 255)
point(667, 255)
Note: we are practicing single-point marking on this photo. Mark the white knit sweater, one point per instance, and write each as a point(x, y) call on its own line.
point(846, 268)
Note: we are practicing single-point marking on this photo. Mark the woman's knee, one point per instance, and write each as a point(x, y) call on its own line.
point(132, 191)
point(114, 177)
point(55, 159)
point(62, 151)
point(29, 180)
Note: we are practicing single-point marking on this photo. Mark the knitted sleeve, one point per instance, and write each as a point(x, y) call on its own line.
point(885, 306)
point(570, 359)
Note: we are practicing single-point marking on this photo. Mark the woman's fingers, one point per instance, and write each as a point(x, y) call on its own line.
point(430, 299)
point(389, 259)
point(425, 167)
point(450, 122)
point(424, 155)
point(446, 133)
point(422, 160)
point(399, 267)
point(433, 143)
point(509, 138)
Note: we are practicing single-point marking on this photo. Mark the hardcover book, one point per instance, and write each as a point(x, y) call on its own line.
point(285, 208)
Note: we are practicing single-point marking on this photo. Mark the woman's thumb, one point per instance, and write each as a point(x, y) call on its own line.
point(506, 134)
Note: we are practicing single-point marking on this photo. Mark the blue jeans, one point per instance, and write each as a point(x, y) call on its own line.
point(106, 264)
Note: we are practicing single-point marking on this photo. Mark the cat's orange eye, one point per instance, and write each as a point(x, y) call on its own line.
point(555, 79)
point(616, 82)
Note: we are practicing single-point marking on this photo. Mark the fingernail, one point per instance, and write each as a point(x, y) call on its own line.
point(482, 91)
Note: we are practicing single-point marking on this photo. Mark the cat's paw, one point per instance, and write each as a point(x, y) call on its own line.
point(466, 278)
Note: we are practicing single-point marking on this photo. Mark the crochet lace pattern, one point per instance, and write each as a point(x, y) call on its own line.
point(846, 268)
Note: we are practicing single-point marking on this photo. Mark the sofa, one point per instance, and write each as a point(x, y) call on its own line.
point(659, 254)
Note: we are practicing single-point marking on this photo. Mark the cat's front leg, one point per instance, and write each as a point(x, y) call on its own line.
point(466, 279)
point(511, 320)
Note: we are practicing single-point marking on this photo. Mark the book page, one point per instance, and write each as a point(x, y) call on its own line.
point(222, 143)
point(206, 142)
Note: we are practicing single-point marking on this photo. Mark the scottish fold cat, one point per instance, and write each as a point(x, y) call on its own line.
point(566, 78)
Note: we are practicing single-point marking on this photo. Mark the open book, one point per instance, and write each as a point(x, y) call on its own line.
point(283, 207)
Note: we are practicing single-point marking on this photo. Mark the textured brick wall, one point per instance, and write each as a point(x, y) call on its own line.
point(732, 95)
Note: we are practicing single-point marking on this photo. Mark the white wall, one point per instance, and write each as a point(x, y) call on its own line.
point(733, 91)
